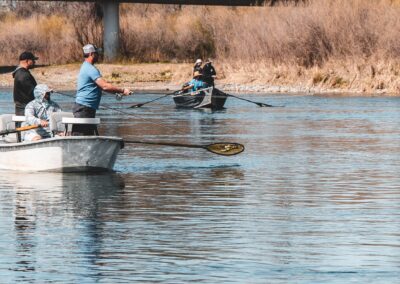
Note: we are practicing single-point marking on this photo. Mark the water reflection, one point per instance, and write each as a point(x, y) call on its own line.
point(97, 221)
point(313, 199)
point(183, 193)
point(50, 205)
point(24, 228)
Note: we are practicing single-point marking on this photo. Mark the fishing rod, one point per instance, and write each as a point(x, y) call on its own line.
point(123, 112)
point(105, 107)
point(156, 99)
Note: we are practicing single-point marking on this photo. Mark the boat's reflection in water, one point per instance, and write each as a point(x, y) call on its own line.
point(52, 205)
point(107, 220)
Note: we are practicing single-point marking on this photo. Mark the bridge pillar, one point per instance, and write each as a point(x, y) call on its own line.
point(111, 29)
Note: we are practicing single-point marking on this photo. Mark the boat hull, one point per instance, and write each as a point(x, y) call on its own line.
point(62, 154)
point(212, 99)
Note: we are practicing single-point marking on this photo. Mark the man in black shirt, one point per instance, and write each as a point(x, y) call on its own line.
point(209, 73)
point(24, 83)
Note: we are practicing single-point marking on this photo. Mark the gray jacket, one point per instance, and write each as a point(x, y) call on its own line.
point(38, 110)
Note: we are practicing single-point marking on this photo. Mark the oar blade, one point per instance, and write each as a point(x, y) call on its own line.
point(264, 105)
point(225, 149)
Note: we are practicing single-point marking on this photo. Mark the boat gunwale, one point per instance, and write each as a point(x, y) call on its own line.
point(61, 138)
point(195, 93)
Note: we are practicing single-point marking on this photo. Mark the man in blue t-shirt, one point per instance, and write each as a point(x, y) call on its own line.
point(89, 89)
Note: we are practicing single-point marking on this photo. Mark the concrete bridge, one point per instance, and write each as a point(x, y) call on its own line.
point(111, 16)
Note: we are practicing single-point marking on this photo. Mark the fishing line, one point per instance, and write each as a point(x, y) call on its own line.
point(174, 131)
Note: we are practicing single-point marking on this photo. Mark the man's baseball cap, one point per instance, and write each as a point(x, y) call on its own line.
point(27, 55)
point(89, 48)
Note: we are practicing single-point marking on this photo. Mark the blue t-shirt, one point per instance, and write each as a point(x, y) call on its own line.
point(197, 84)
point(88, 93)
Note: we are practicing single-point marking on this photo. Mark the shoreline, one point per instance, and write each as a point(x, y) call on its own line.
point(161, 77)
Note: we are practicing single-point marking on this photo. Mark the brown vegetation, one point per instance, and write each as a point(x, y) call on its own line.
point(310, 41)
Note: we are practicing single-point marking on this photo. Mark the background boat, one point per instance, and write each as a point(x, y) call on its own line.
point(206, 98)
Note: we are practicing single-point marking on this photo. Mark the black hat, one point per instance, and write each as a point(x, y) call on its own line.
point(27, 55)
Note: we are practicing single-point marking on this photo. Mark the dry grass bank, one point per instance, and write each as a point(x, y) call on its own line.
point(257, 77)
point(329, 44)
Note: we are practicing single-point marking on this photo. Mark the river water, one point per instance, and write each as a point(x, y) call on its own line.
point(315, 198)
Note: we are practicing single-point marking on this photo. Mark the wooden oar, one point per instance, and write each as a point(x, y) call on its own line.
point(19, 129)
point(221, 148)
point(156, 99)
point(257, 103)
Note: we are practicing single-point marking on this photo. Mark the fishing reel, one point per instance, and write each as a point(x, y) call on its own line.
point(119, 96)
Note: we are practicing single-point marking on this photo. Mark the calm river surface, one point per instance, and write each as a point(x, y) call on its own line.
point(315, 198)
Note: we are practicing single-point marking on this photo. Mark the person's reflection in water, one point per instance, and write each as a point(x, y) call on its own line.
point(94, 199)
point(43, 202)
point(25, 227)
point(31, 190)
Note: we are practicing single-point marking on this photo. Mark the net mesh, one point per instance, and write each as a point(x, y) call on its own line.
point(226, 149)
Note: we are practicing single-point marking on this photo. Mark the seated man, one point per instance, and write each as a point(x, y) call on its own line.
point(196, 83)
point(38, 111)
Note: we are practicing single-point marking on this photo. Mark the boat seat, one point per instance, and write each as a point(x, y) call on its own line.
point(55, 122)
point(7, 123)
point(70, 121)
point(18, 118)
point(207, 97)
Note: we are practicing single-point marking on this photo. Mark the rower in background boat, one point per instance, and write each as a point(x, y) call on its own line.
point(38, 112)
point(195, 84)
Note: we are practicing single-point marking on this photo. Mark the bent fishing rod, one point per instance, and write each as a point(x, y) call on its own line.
point(156, 99)
point(220, 148)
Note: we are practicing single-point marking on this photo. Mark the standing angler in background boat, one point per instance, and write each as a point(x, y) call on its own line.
point(197, 66)
point(89, 90)
point(209, 73)
point(38, 111)
point(24, 82)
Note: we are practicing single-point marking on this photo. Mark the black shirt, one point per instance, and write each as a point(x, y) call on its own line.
point(24, 83)
point(208, 72)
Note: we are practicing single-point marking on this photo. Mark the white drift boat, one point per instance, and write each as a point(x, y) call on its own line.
point(62, 154)
point(59, 154)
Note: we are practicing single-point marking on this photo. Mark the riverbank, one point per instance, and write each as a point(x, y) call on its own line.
point(332, 46)
point(340, 77)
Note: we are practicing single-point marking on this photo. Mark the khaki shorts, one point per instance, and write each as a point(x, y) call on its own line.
point(29, 135)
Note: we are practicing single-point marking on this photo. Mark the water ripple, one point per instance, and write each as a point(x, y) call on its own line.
point(314, 199)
